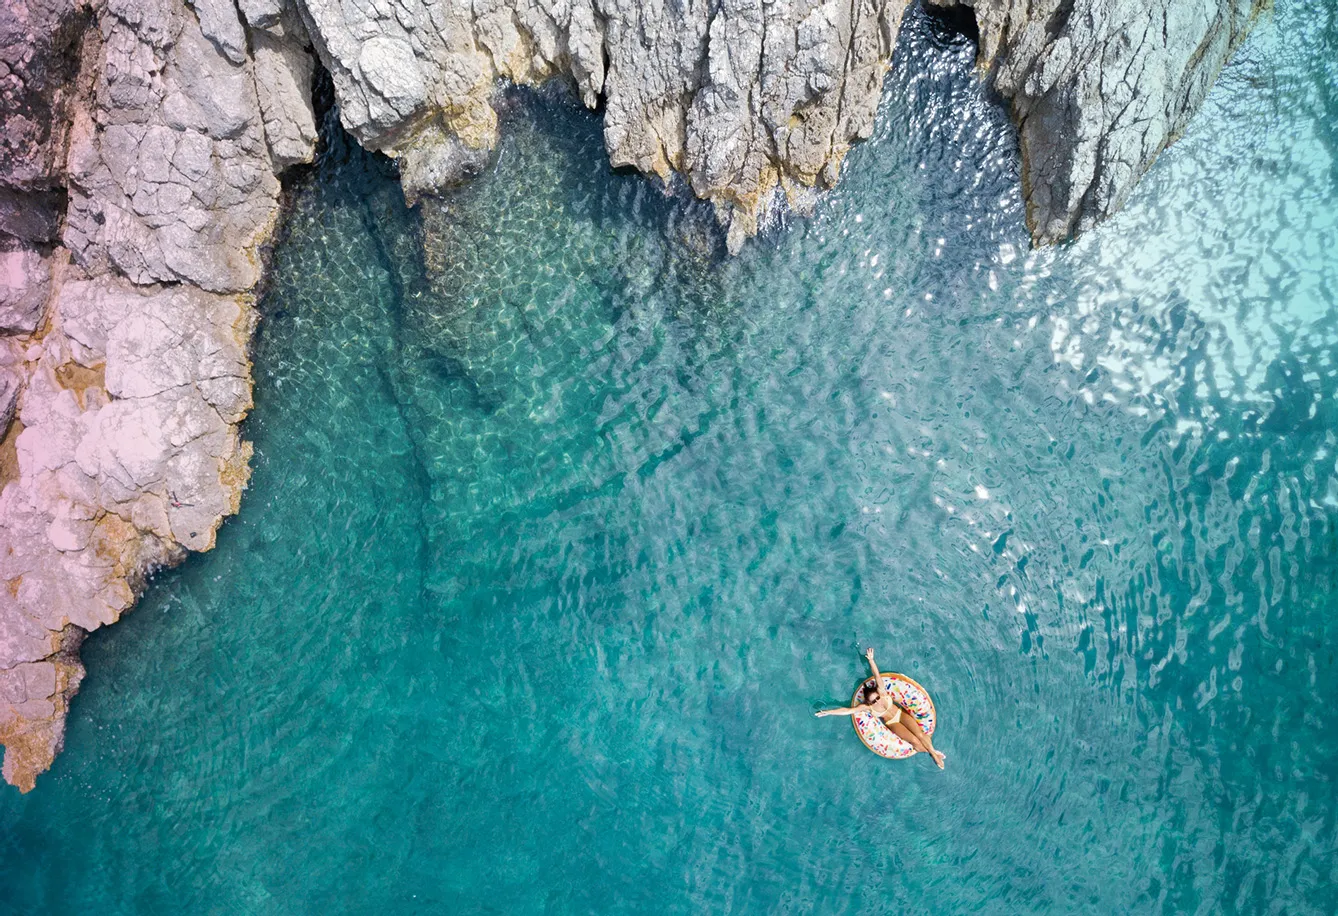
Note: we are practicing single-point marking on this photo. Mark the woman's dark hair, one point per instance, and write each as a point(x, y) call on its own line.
point(870, 692)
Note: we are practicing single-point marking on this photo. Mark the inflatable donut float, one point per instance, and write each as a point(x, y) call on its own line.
point(876, 736)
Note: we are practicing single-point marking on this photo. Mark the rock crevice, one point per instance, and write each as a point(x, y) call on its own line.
point(1099, 89)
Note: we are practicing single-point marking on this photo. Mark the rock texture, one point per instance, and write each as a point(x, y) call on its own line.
point(39, 42)
point(740, 96)
point(141, 142)
point(1099, 88)
point(747, 97)
point(130, 309)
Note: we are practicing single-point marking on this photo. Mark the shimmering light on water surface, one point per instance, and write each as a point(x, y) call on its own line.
point(562, 525)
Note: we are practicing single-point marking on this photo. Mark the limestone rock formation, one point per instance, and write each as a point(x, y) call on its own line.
point(169, 174)
point(745, 97)
point(25, 282)
point(1098, 90)
point(126, 372)
point(742, 97)
point(127, 454)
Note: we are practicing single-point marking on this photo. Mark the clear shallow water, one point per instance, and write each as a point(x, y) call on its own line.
point(562, 525)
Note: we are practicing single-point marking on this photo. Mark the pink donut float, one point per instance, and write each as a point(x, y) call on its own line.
point(876, 736)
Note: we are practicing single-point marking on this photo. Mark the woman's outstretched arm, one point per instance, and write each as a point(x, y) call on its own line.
point(877, 678)
point(842, 711)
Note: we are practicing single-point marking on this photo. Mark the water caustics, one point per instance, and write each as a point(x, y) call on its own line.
point(563, 523)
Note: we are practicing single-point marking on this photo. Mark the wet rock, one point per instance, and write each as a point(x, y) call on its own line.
point(437, 161)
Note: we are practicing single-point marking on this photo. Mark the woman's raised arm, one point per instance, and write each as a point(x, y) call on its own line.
point(877, 678)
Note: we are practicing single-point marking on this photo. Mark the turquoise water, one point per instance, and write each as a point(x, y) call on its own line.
point(562, 524)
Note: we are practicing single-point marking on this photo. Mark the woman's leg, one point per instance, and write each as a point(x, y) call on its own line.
point(909, 730)
point(905, 734)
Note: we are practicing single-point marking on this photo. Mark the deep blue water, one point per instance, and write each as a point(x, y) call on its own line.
point(563, 523)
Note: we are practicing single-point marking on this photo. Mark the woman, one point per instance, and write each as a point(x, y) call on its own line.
point(899, 720)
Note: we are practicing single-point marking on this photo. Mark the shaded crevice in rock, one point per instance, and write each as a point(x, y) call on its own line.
point(40, 43)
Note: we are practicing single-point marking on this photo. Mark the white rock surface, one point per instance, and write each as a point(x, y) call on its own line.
point(221, 24)
point(120, 396)
point(170, 172)
point(25, 281)
point(129, 452)
point(283, 86)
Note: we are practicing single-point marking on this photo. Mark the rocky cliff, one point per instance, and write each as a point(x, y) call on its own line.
point(755, 101)
point(1098, 89)
point(139, 187)
point(139, 155)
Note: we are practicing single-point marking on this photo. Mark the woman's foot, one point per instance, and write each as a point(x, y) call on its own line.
point(938, 758)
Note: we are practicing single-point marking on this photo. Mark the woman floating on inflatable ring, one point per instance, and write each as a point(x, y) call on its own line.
point(898, 719)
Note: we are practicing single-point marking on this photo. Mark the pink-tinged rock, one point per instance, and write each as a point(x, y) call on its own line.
point(124, 452)
point(25, 282)
point(129, 456)
point(71, 526)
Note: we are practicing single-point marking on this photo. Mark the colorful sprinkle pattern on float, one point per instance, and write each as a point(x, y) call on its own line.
point(876, 736)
